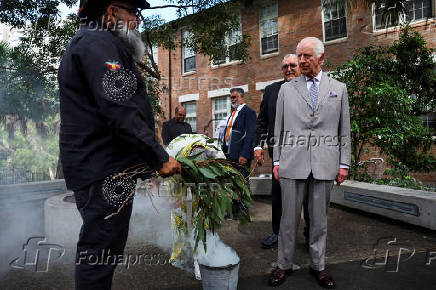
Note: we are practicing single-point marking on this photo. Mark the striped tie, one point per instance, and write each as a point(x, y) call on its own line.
point(313, 93)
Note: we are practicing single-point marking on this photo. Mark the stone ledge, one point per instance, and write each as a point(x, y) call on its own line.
point(416, 207)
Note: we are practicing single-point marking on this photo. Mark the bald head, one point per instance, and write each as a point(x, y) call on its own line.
point(180, 113)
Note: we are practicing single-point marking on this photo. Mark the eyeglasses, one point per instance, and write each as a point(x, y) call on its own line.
point(135, 11)
point(292, 65)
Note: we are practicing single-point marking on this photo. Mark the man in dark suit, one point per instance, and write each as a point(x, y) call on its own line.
point(265, 131)
point(176, 126)
point(240, 135)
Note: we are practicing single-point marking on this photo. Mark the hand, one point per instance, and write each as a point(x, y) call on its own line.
point(242, 160)
point(170, 167)
point(258, 156)
point(342, 176)
point(276, 172)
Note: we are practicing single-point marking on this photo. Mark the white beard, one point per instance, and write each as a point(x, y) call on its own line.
point(132, 38)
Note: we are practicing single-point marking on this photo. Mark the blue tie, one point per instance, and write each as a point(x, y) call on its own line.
point(313, 93)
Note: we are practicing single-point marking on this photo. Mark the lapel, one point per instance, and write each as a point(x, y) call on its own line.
point(240, 113)
point(301, 85)
point(324, 89)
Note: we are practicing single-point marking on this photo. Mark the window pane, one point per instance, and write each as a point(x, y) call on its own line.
point(189, 64)
point(270, 44)
point(336, 25)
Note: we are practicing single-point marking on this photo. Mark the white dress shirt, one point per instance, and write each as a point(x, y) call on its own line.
point(233, 122)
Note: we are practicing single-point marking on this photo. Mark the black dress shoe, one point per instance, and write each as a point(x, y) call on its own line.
point(278, 276)
point(270, 242)
point(324, 278)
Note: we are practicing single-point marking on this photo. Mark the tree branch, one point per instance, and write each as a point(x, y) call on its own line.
point(174, 6)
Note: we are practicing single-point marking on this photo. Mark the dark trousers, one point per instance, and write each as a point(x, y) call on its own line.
point(245, 171)
point(276, 200)
point(101, 242)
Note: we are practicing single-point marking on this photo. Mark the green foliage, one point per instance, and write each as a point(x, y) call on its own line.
point(389, 88)
point(26, 91)
point(31, 151)
point(218, 183)
point(398, 175)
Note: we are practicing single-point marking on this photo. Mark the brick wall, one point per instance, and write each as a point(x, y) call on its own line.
point(296, 20)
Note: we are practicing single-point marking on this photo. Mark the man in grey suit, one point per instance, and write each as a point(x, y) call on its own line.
point(312, 149)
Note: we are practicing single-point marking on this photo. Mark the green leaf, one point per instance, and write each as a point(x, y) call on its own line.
point(207, 173)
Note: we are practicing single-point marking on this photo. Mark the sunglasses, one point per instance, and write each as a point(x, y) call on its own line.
point(292, 65)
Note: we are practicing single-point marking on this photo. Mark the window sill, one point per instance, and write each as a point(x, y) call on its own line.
point(272, 54)
point(414, 24)
point(189, 73)
point(217, 66)
point(336, 41)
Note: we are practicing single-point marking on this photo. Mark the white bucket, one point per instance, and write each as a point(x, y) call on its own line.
point(219, 278)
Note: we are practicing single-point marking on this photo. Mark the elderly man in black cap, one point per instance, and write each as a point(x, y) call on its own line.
point(107, 127)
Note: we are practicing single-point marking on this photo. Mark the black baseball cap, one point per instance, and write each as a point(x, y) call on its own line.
point(92, 8)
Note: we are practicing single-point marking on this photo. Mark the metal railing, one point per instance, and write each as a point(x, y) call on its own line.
point(20, 175)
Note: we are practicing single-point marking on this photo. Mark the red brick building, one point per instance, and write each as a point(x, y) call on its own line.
point(275, 28)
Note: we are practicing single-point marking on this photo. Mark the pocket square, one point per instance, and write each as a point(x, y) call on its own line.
point(333, 94)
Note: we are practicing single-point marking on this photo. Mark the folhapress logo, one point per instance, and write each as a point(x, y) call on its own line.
point(37, 255)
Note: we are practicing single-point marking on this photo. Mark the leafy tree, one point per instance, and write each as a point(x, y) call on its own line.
point(389, 88)
point(26, 92)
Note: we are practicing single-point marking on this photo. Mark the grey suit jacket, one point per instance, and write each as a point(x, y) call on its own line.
point(307, 141)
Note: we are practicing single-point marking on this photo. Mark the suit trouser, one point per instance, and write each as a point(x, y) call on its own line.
point(318, 197)
point(100, 240)
point(276, 204)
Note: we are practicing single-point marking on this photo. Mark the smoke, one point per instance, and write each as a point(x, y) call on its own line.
point(151, 216)
point(218, 254)
point(152, 219)
point(19, 220)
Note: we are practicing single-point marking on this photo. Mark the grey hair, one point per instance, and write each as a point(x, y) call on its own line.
point(318, 48)
point(288, 55)
point(239, 90)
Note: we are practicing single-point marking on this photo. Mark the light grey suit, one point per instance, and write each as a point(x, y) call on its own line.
point(310, 147)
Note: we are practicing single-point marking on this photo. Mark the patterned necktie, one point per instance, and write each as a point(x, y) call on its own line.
point(229, 127)
point(313, 93)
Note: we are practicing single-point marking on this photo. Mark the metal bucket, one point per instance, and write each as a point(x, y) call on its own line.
point(219, 278)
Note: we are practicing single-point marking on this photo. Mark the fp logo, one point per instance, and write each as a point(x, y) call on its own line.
point(37, 255)
point(388, 254)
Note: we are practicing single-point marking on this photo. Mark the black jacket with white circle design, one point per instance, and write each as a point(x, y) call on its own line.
point(107, 124)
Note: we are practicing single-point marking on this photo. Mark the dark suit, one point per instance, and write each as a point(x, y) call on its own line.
point(241, 143)
point(172, 129)
point(242, 137)
point(265, 133)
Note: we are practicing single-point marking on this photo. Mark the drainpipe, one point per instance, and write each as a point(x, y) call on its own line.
point(170, 83)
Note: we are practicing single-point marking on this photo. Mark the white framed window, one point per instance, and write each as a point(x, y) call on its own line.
point(269, 29)
point(191, 114)
point(416, 10)
point(221, 107)
point(188, 54)
point(233, 39)
point(334, 20)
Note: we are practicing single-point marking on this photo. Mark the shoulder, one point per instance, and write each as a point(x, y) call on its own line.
point(95, 42)
point(334, 82)
point(248, 109)
point(274, 86)
point(292, 83)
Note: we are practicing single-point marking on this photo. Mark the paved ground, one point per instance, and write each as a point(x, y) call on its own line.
point(353, 238)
